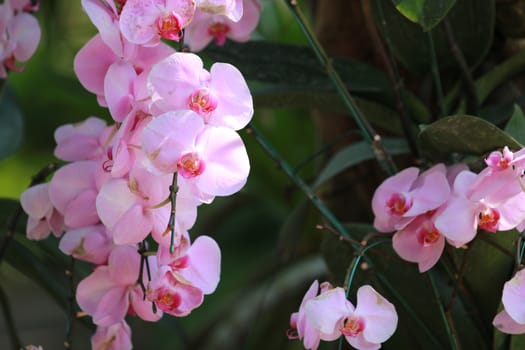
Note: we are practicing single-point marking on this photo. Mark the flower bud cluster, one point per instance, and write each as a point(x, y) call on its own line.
point(326, 314)
point(19, 34)
point(139, 181)
point(450, 204)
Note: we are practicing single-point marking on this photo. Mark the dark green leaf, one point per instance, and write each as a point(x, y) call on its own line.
point(10, 125)
point(472, 23)
point(296, 224)
point(292, 65)
point(286, 96)
point(516, 125)
point(464, 134)
point(426, 13)
point(355, 154)
point(483, 253)
point(294, 77)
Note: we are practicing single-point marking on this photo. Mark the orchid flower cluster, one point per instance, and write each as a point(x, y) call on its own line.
point(451, 204)
point(326, 314)
point(173, 146)
point(19, 34)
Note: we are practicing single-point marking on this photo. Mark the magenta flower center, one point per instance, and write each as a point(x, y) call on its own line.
point(190, 165)
point(169, 26)
point(219, 30)
point(167, 301)
point(488, 220)
point(398, 204)
point(353, 326)
point(202, 101)
point(427, 234)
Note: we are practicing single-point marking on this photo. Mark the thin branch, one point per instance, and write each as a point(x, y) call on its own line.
point(448, 322)
point(370, 135)
point(12, 332)
point(468, 81)
point(171, 222)
point(11, 226)
point(352, 268)
point(324, 149)
point(71, 312)
point(299, 182)
point(435, 74)
point(404, 303)
point(392, 71)
point(459, 279)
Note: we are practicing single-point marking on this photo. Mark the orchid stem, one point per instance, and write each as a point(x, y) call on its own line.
point(299, 182)
point(428, 333)
point(16, 343)
point(449, 325)
point(71, 314)
point(370, 135)
point(171, 222)
point(435, 74)
point(350, 273)
point(392, 70)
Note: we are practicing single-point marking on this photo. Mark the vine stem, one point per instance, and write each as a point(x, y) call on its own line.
point(447, 320)
point(392, 70)
point(16, 343)
point(468, 81)
point(11, 226)
point(171, 222)
point(369, 134)
point(435, 74)
point(71, 312)
point(299, 182)
point(352, 268)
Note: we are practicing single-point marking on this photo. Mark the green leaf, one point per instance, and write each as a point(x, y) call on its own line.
point(285, 96)
point(293, 65)
point(464, 134)
point(11, 127)
point(297, 223)
point(516, 125)
point(427, 13)
point(291, 76)
point(356, 153)
point(472, 23)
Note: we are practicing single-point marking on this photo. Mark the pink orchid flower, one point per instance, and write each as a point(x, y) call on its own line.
point(512, 319)
point(73, 190)
point(90, 243)
point(19, 37)
point(131, 208)
point(80, 141)
point(144, 22)
point(492, 207)
point(206, 27)
point(303, 327)
point(94, 59)
point(211, 161)
point(114, 337)
point(365, 327)
point(221, 97)
point(419, 242)
point(111, 291)
point(231, 9)
point(184, 279)
point(43, 218)
point(404, 196)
